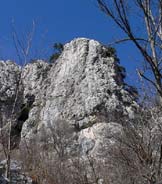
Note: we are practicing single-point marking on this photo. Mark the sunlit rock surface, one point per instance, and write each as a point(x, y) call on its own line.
point(84, 87)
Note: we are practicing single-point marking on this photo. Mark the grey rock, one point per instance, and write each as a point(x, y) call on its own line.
point(84, 87)
point(17, 176)
point(3, 180)
point(9, 78)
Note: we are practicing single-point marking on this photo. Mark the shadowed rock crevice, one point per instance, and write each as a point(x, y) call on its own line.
point(24, 111)
point(25, 108)
point(22, 116)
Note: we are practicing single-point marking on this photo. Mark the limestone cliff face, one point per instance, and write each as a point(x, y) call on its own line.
point(84, 88)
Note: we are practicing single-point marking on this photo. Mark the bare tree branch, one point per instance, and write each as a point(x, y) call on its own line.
point(150, 44)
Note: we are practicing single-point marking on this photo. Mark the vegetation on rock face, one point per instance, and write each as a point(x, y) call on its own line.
point(110, 52)
point(58, 48)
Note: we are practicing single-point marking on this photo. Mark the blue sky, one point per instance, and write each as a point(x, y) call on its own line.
point(60, 21)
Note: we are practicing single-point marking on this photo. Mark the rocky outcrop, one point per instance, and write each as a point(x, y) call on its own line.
point(11, 98)
point(9, 80)
point(17, 176)
point(73, 107)
point(84, 87)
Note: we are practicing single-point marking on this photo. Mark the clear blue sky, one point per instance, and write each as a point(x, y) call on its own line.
point(60, 21)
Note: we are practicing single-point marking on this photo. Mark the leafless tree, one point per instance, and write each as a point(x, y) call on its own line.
point(141, 21)
point(139, 149)
point(23, 44)
point(23, 49)
point(48, 158)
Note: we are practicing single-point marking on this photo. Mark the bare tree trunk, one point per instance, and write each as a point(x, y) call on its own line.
point(20, 48)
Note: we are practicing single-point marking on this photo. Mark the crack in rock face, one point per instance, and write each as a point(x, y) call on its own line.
point(83, 87)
